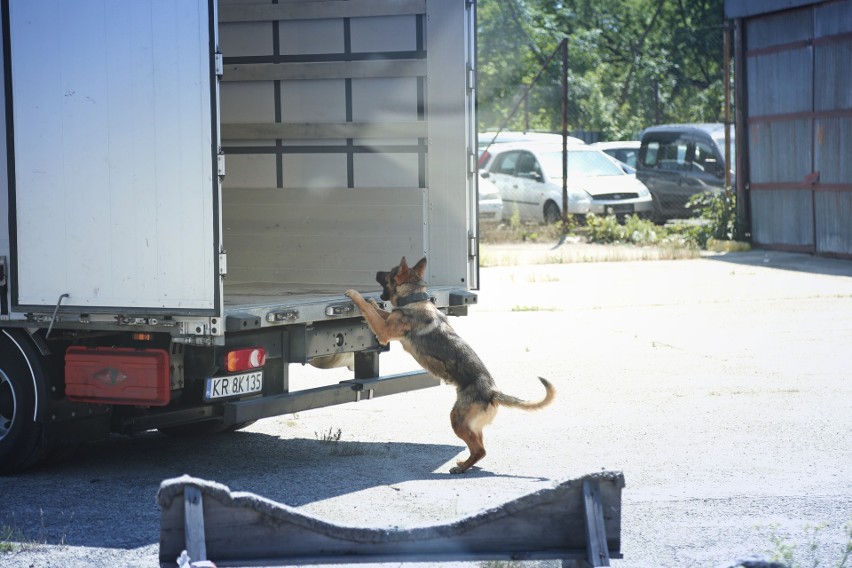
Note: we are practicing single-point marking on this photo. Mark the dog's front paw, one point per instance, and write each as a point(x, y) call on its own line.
point(457, 469)
point(353, 294)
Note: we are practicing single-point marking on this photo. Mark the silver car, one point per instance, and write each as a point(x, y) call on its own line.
point(529, 177)
point(490, 202)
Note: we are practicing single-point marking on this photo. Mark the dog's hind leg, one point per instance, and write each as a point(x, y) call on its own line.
point(477, 450)
point(468, 424)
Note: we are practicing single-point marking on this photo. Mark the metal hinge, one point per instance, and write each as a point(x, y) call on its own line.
point(471, 243)
point(223, 263)
point(472, 162)
point(471, 78)
point(220, 163)
point(219, 64)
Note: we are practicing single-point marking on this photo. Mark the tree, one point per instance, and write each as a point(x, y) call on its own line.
point(632, 63)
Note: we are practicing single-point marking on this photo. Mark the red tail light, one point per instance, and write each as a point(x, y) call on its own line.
point(245, 359)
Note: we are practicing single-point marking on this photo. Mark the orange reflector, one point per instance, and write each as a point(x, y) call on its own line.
point(117, 375)
point(245, 359)
point(142, 336)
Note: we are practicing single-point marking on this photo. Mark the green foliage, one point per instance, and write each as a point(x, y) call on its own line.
point(632, 63)
point(633, 231)
point(536, 232)
point(719, 213)
point(789, 554)
point(7, 535)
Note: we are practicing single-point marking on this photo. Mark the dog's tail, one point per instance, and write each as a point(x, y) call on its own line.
point(512, 402)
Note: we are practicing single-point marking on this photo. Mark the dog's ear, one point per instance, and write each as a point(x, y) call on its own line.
point(402, 272)
point(420, 267)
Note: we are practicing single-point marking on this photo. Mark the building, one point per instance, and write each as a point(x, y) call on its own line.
point(793, 104)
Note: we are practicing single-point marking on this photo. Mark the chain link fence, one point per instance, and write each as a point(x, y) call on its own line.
point(680, 80)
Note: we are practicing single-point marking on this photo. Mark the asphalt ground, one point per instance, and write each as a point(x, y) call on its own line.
point(719, 386)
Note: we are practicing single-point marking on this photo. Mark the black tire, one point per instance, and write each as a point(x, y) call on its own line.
point(21, 441)
point(552, 213)
point(657, 216)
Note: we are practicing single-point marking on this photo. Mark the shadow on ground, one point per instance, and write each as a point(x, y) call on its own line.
point(797, 262)
point(113, 485)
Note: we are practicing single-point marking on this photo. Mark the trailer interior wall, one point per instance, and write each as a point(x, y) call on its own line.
point(799, 118)
point(346, 142)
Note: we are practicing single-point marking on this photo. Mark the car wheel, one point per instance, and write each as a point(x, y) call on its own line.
point(20, 434)
point(552, 213)
point(657, 215)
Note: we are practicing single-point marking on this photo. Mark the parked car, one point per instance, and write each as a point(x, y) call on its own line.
point(677, 161)
point(625, 151)
point(529, 177)
point(490, 202)
point(486, 139)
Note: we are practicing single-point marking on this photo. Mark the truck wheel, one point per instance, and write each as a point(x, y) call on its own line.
point(20, 433)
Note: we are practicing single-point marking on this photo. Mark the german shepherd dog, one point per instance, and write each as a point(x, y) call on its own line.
point(426, 334)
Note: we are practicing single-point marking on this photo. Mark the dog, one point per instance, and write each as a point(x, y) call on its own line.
point(425, 333)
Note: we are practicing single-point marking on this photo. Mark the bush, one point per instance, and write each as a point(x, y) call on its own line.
point(719, 213)
point(634, 230)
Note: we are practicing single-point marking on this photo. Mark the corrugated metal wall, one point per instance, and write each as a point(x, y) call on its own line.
point(799, 119)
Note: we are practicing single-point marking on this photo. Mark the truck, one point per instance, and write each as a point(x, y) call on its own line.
point(189, 189)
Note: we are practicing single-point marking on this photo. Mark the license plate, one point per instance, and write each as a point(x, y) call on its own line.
point(611, 209)
point(233, 385)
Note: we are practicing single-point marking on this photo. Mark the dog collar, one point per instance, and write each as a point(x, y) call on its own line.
point(413, 299)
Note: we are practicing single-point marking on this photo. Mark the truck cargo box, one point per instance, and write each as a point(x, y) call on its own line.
point(194, 159)
point(186, 182)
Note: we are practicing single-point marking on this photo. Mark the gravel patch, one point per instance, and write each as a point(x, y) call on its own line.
point(719, 386)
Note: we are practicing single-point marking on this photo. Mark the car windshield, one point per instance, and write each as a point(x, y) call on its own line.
point(580, 163)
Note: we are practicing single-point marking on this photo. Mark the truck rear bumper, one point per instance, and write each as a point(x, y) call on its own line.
point(347, 391)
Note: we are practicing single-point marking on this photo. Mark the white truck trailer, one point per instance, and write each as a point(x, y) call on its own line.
point(189, 188)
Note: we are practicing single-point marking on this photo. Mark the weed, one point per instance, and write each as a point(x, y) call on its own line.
point(714, 227)
point(788, 554)
point(634, 230)
point(14, 540)
point(516, 231)
point(333, 439)
point(329, 437)
point(533, 278)
point(7, 536)
point(719, 213)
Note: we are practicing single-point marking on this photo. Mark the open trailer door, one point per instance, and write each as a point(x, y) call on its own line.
point(112, 167)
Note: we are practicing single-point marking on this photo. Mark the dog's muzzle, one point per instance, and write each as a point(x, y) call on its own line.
point(382, 278)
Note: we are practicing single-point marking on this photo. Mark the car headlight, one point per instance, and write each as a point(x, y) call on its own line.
point(585, 196)
point(641, 189)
